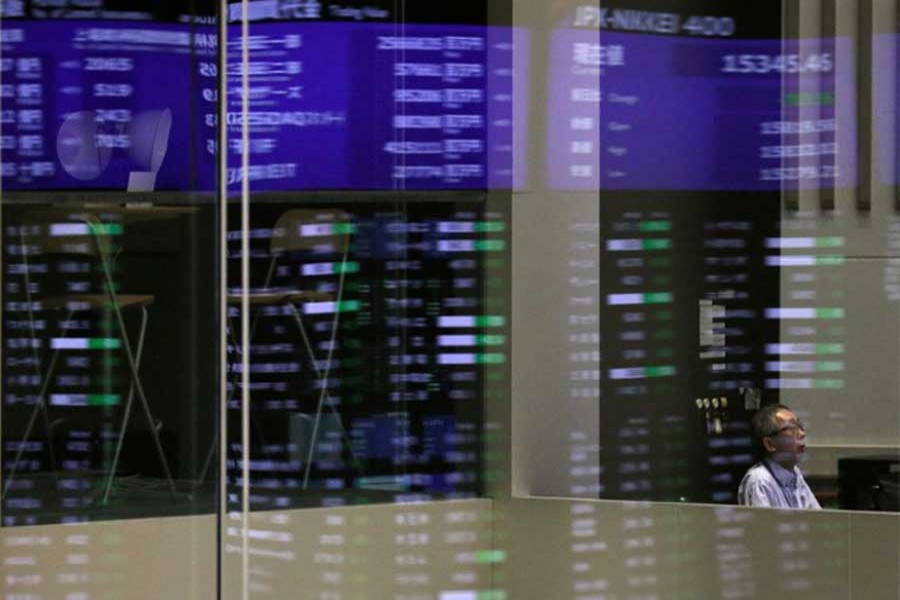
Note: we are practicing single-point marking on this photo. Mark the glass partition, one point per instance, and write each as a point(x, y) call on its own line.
point(362, 251)
point(109, 247)
point(109, 244)
point(377, 299)
point(722, 173)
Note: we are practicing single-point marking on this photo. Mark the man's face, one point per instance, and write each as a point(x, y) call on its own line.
point(788, 444)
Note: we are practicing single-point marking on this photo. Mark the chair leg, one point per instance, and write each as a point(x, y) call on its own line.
point(256, 425)
point(209, 457)
point(323, 377)
point(322, 396)
point(253, 326)
point(135, 377)
point(41, 407)
point(128, 403)
point(212, 447)
point(315, 366)
point(34, 351)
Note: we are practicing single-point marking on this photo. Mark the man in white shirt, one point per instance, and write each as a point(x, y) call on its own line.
point(775, 481)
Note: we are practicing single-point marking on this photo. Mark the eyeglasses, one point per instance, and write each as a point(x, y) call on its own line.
point(794, 428)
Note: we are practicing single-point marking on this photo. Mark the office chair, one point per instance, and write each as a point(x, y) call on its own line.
point(298, 230)
point(81, 232)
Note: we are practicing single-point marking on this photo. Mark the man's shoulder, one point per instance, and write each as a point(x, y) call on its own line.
point(754, 487)
point(757, 477)
point(757, 471)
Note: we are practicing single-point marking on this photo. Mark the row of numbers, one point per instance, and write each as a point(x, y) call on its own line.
point(764, 64)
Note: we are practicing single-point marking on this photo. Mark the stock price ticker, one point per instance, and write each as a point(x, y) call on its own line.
point(378, 386)
point(430, 107)
point(370, 384)
point(685, 289)
point(650, 104)
point(83, 108)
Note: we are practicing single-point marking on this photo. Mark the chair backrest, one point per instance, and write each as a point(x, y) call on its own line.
point(74, 231)
point(307, 228)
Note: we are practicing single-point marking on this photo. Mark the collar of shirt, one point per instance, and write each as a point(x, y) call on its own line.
point(785, 478)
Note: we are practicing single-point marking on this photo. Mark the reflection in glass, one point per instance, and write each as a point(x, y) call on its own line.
point(108, 388)
point(91, 322)
point(696, 126)
point(430, 107)
point(640, 167)
point(371, 342)
point(84, 109)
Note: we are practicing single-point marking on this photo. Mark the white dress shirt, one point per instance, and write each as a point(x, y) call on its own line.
point(769, 484)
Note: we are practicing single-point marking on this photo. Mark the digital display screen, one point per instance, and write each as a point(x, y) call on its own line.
point(83, 108)
point(685, 286)
point(648, 111)
point(88, 104)
point(75, 418)
point(886, 93)
point(374, 382)
point(422, 107)
point(377, 338)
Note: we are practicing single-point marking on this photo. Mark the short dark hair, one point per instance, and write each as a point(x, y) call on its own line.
point(764, 424)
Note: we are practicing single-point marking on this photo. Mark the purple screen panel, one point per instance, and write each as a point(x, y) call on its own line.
point(87, 105)
point(886, 85)
point(374, 106)
point(631, 111)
